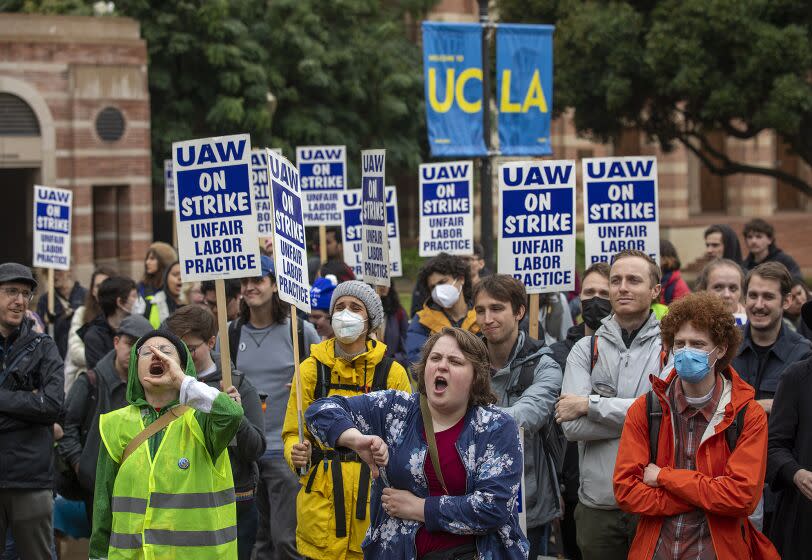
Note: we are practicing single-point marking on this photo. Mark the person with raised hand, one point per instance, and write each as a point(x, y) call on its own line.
point(451, 469)
point(332, 506)
point(164, 487)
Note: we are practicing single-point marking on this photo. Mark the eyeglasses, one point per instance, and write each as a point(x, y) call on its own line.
point(193, 347)
point(147, 350)
point(12, 293)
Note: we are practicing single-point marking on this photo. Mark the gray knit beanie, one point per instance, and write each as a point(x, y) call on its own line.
point(366, 294)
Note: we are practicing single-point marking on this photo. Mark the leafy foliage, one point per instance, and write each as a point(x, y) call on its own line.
point(681, 69)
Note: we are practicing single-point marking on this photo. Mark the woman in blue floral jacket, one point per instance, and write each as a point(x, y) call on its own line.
point(413, 516)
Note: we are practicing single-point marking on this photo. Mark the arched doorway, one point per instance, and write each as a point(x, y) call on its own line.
point(20, 164)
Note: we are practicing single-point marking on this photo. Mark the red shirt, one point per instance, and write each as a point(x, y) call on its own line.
point(455, 479)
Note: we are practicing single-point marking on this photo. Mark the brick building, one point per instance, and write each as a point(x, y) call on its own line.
point(691, 198)
point(74, 113)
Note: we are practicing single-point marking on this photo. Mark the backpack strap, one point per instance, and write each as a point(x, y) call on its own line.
point(733, 431)
point(593, 354)
point(380, 377)
point(322, 388)
point(234, 333)
point(654, 412)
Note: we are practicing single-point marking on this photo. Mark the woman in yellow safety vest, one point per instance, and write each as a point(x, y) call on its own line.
point(167, 494)
point(332, 508)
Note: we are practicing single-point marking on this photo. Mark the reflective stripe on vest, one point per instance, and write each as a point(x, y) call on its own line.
point(175, 499)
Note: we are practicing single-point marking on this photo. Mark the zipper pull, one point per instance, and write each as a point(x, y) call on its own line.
point(627, 358)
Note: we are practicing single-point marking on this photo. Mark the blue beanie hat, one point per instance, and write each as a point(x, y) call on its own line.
point(322, 292)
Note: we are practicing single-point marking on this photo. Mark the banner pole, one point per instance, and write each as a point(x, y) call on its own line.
point(323, 243)
point(486, 184)
point(50, 291)
point(533, 327)
point(297, 378)
point(222, 324)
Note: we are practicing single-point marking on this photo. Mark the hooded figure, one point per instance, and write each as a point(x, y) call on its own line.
point(730, 240)
point(173, 495)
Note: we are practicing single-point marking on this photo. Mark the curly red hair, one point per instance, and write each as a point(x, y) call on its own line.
point(706, 312)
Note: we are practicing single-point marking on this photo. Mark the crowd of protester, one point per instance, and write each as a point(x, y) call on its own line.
point(658, 421)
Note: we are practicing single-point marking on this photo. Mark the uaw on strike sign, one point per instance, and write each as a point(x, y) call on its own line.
point(52, 223)
point(620, 207)
point(289, 248)
point(537, 224)
point(217, 230)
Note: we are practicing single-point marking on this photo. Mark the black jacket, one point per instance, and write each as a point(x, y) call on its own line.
point(98, 338)
point(84, 405)
point(31, 395)
point(790, 347)
point(561, 349)
point(776, 255)
point(571, 474)
point(62, 317)
point(790, 449)
point(248, 446)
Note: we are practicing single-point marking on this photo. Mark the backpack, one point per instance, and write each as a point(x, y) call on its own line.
point(323, 385)
point(235, 331)
point(555, 442)
point(654, 411)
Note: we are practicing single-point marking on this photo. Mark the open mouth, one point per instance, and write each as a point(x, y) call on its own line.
point(156, 368)
point(440, 384)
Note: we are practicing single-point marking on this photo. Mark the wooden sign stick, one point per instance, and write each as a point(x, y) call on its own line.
point(533, 327)
point(222, 324)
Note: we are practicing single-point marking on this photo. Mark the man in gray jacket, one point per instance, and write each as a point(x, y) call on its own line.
point(605, 373)
point(527, 381)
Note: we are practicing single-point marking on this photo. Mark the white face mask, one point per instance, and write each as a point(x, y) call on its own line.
point(445, 295)
point(347, 326)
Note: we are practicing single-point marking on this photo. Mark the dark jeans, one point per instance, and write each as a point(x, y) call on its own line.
point(247, 523)
point(604, 534)
point(276, 505)
point(538, 538)
point(568, 532)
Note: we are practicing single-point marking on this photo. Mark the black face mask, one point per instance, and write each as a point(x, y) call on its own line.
point(593, 310)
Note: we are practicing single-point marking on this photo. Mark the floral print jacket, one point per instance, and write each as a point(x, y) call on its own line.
point(490, 451)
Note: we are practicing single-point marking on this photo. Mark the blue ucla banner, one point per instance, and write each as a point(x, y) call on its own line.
point(524, 74)
point(452, 62)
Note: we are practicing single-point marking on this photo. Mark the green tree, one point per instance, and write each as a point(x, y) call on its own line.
point(682, 69)
point(345, 72)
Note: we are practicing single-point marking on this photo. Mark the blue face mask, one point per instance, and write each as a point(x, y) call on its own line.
point(692, 365)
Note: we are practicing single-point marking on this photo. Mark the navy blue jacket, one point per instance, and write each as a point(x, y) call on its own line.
point(491, 453)
point(789, 348)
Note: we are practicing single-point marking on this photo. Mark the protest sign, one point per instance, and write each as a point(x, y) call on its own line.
point(323, 177)
point(169, 187)
point(446, 208)
point(353, 244)
point(620, 207)
point(537, 224)
point(262, 199)
point(289, 245)
point(393, 231)
point(217, 231)
point(373, 218)
point(52, 227)
point(452, 65)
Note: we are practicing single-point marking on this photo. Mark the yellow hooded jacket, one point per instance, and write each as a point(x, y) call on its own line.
point(315, 510)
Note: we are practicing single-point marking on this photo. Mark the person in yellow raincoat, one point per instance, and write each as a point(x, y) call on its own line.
point(332, 507)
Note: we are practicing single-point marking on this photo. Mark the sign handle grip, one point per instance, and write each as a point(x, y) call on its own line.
point(222, 325)
point(297, 378)
point(323, 243)
point(533, 317)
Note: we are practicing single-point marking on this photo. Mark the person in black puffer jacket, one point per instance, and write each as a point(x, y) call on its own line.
point(31, 397)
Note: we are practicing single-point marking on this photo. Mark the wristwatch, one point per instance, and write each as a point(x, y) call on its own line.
point(594, 399)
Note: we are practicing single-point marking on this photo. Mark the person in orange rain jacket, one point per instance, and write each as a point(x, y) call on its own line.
point(693, 452)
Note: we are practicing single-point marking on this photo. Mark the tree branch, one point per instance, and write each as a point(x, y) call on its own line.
point(731, 167)
point(745, 134)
